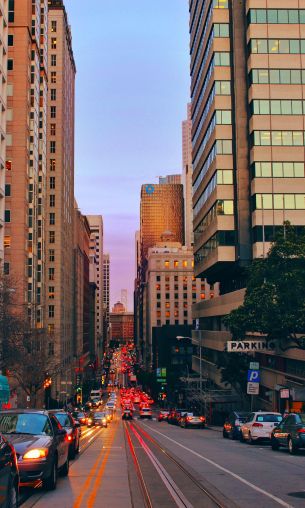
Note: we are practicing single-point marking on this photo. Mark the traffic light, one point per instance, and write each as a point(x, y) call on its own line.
point(79, 395)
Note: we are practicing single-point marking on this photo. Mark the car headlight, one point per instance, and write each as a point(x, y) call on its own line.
point(36, 453)
point(89, 420)
point(104, 420)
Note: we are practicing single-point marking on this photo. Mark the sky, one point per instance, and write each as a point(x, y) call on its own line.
point(132, 88)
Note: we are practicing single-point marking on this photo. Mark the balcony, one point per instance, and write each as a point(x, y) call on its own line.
point(218, 259)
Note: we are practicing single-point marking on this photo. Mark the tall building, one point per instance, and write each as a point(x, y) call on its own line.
point(169, 179)
point(124, 298)
point(3, 114)
point(248, 156)
point(26, 139)
point(96, 247)
point(121, 325)
point(106, 294)
point(60, 189)
point(187, 176)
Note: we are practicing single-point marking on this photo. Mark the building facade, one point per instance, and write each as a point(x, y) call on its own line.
point(106, 296)
point(187, 176)
point(26, 140)
point(96, 248)
point(248, 171)
point(60, 210)
point(3, 114)
point(121, 324)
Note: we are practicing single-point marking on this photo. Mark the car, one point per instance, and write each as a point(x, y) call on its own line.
point(232, 424)
point(41, 445)
point(259, 425)
point(72, 427)
point(192, 420)
point(100, 419)
point(80, 417)
point(90, 421)
point(162, 416)
point(146, 412)
point(170, 415)
point(9, 475)
point(126, 414)
point(290, 433)
point(109, 415)
point(176, 416)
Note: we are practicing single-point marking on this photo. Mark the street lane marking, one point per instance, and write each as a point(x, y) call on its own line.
point(101, 471)
point(225, 470)
point(169, 483)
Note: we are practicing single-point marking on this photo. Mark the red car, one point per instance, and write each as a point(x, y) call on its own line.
point(162, 416)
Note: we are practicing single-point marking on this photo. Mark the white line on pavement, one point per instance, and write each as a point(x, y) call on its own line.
point(225, 470)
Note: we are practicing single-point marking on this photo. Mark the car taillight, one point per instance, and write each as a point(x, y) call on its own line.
point(257, 424)
point(202, 418)
point(189, 418)
point(301, 431)
point(69, 438)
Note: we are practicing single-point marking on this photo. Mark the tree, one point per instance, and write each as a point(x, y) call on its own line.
point(25, 352)
point(274, 303)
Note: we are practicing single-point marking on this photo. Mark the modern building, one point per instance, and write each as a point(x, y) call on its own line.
point(187, 177)
point(60, 191)
point(121, 324)
point(26, 88)
point(170, 179)
point(247, 85)
point(96, 248)
point(3, 115)
point(170, 290)
point(124, 298)
point(106, 295)
point(118, 308)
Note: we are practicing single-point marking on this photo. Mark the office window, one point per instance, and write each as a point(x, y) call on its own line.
point(53, 26)
point(53, 77)
point(11, 11)
point(7, 189)
point(51, 292)
point(52, 164)
point(176, 287)
point(51, 273)
point(158, 278)
point(53, 42)
point(51, 311)
point(184, 263)
point(53, 60)
point(10, 64)
point(167, 296)
point(176, 296)
point(10, 40)
point(7, 216)
point(158, 305)
point(167, 314)
point(52, 236)
point(158, 313)
point(53, 94)
point(7, 242)
point(53, 129)
point(52, 200)
point(53, 111)
point(52, 182)
point(167, 287)
point(176, 264)
point(52, 219)
point(158, 287)
point(6, 268)
point(166, 264)
point(53, 146)
point(176, 278)
point(167, 305)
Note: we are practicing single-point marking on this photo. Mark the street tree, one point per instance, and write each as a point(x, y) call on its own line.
point(274, 303)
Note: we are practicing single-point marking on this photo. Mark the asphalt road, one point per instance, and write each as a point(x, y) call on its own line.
point(150, 464)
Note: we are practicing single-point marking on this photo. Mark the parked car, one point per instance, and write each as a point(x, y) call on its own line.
point(289, 433)
point(162, 416)
point(258, 426)
point(145, 412)
point(232, 424)
point(41, 445)
point(72, 427)
point(100, 419)
point(192, 420)
point(9, 475)
point(126, 414)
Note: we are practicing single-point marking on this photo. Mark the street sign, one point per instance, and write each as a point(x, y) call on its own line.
point(284, 393)
point(158, 372)
point(28, 398)
point(253, 376)
point(254, 366)
point(252, 388)
point(248, 346)
point(161, 380)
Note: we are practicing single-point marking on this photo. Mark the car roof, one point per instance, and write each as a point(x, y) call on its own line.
point(266, 413)
point(25, 411)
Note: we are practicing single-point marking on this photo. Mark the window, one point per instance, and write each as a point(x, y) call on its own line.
point(166, 264)
point(53, 111)
point(158, 278)
point(52, 200)
point(53, 129)
point(52, 164)
point(176, 278)
point(282, 46)
point(278, 76)
point(277, 107)
point(278, 170)
point(53, 26)
point(158, 287)
point(167, 296)
point(10, 40)
point(52, 220)
point(176, 296)
point(10, 64)
point(51, 311)
point(279, 202)
point(53, 77)
point(52, 236)
point(53, 94)
point(11, 11)
point(7, 189)
point(53, 42)
point(52, 182)
point(51, 292)
point(51, 273)
point(6, 268)
point(276, 16)
point(53, 60)
point(221, 30)
point(277, 138)
point(176, 264)
point(7, 216)
point(184, 263)
point(10, 90)
point(167, 314)
point(52, 146)
point(51, 255)
point(7, 242)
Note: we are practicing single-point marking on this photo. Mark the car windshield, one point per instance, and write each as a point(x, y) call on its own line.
point(63, 419)
point(25, 423)
point(269, 418)
point(100, 415)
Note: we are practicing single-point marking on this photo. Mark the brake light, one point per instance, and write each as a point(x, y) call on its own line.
point(258, 425)
point(301, 431)
point(69, 438)
point(189, 418)
point(202, 418)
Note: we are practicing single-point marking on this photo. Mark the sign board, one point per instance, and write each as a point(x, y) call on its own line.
point(158, 372)
point(163, 372)
point(254, 366)
point(253, 376)
point(252, 388)
point(161, 380)
point(248, 346)
point(28, 398)
point(284, 393)
point(66, 382)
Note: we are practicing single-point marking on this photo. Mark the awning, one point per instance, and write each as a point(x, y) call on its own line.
point(4, 390)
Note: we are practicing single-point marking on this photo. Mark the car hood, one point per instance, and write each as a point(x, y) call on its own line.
point(24, 442)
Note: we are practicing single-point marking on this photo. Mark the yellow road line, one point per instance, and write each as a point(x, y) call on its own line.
point(99, 477)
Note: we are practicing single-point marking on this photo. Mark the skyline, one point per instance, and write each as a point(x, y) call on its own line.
point(145, 115)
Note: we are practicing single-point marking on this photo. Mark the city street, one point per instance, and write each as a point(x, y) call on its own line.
point(147, 463)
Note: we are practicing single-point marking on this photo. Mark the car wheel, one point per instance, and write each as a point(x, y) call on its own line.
point(224, 434)
point(274, 445)
point(291, 447)
point(51, 482)
point(72, 451)
point(65, 468)
point(241, 438)
point(12, 495)
point(250, 440)
point(77, 449)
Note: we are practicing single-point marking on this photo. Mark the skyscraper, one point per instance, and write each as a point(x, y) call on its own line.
point(3, 114)
point(124, 298)
point(24, 240)
point(60, 188)
point(106, 294)
point(96, 247)
point(187, 176)
point(248, 145)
